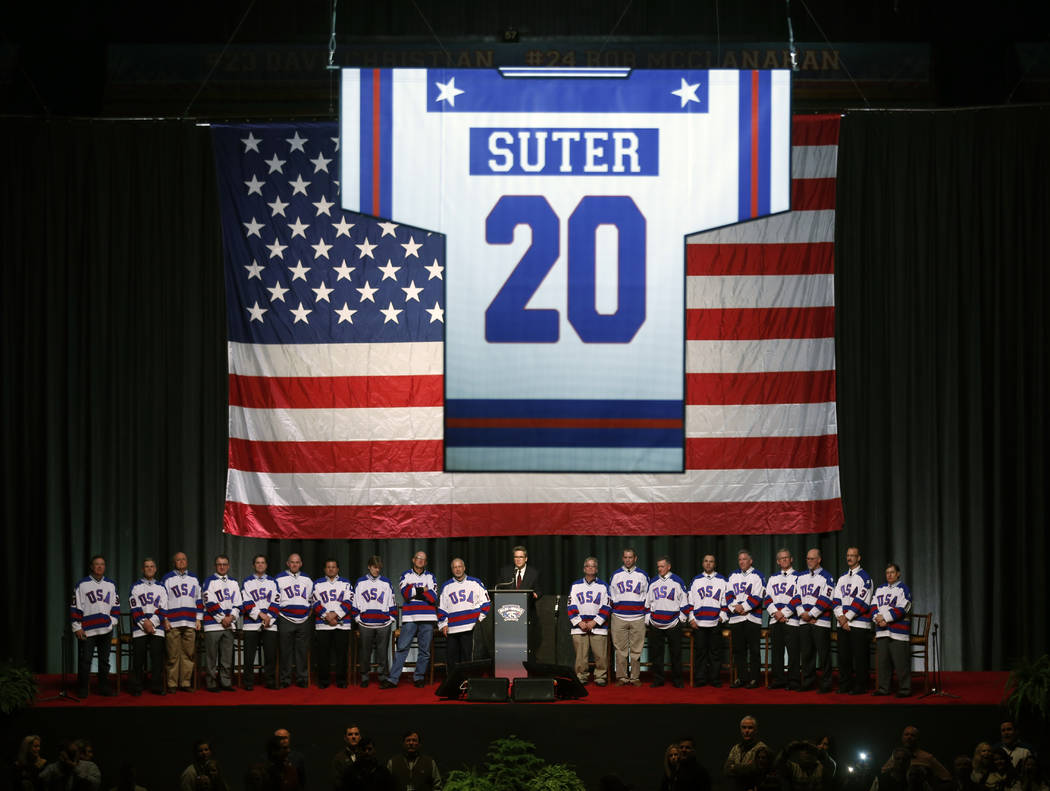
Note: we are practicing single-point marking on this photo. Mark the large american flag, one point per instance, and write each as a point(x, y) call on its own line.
point(335, 358)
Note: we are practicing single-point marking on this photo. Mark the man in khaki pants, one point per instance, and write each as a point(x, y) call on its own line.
point(181, 623)
point(628, 587)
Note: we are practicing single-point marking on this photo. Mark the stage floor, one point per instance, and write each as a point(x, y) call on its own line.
point(974, 689)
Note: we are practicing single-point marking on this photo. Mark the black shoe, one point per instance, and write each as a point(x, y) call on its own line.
point(213, 689)
point(322, 684)
point(699, 684)
point(185, 689)
point(341, 685)
point(363, 683)
point(843, 689)
point(858, 691)
point(272, 685)
point(386, 683)
point(420, 683)
point(805, 688)
point(302, 684)
point(791, 688)
point(777, 685)
point(157, 691)
point(136, 693)
point(284, 685)
point(677, 683)
point(715, 684)
point(249, 686)
point(736, 684)
point(227, 688)
point(106, 692)
point(603, 682)
point(657, 683)
point(752, 684)
point(880, 693)
point(902, 694)
point(824, 691)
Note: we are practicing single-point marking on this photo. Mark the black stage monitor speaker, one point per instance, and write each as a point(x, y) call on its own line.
point(450, 687)
point(568, 686)
point(488, 690)
point(533, 690)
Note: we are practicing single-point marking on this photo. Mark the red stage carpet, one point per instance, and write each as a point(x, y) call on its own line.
point(972, 689)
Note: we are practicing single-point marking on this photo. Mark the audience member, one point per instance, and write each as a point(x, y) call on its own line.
point(204, 772)
point(919, 757)
point(671, 756)
point(1003, 776)
point(411, 770)
point(1031, 778)
point(1009, 740)
point(690, 776)
point(741, 767)
point(88, 776)
point(28, 765)
point(366, 773)
point(803, 766)
point(343, 761)
point(281, 775)
point(295, 758)
point(982, 764)
point(962, 769)
point(59, 775)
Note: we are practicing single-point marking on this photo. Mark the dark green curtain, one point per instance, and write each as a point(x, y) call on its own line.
point(113, 378)
point(941, 287)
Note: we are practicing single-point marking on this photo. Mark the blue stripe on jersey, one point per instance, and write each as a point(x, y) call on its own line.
point(181, 614)
point(96, 621)
point(376, 124)
point(294, 610)
point(486, 90)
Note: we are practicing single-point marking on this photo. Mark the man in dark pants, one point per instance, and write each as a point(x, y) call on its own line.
point(852, 599)
point(814, 614)
point(413, 771)
point(294, 594)
point(781, 600)
point(521, 575)
point(666, 605)
point(94, 612)
point(259, 611)
point(707, 613)
point(148, 601)
point(745, 591)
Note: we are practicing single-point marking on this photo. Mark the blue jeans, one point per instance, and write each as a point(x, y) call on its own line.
point(424, 631)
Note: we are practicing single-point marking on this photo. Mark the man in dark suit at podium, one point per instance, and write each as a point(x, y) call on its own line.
point(521, 575)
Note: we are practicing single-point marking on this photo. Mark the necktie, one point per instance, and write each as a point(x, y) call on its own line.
point(517, 580)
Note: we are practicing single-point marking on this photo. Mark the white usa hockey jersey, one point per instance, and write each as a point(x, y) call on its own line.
point(566, 197)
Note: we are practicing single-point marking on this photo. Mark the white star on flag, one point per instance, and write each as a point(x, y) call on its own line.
point(345, 313)
point(389, 271)
point(253, 228)
point(254, 269)
point(278, 206)
point(299, 271)
point(342, 228)
point(322, 292)
point(436, 313)
point(411, 247)
point(277, 292)
point(296, 142)
point(388, 229)
point(447, 92)
point(298, 228)
point(320, 163)
point(256, 312)
point(366, 249)
point(276, 249)
point(323, 206)
point(276, 164)
point(390, 313)
point(687, 93)
point(367, 293)
point(301, 313)
point(254, 186)
point(251, 143)
point(343, 270)
point(299, 186)
point(435, 270)
point(321, 249)
point(412, 291)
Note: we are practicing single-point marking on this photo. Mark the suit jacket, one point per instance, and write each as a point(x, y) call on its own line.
point(531, 581)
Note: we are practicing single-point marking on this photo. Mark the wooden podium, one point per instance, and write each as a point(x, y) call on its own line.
point(510, 614)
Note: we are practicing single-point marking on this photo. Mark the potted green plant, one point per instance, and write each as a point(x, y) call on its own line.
point(17, 687)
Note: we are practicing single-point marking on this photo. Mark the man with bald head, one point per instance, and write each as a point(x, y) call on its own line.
point(294, 594)
point(814, 588)
point(741, 766)
point(919, 757)
point(463, 605)
point(294, 757)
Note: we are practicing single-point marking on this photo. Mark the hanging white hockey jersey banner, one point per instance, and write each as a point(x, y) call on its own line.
point(565, 197)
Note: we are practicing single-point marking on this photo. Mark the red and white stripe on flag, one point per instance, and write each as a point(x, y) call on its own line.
point(345, 440)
